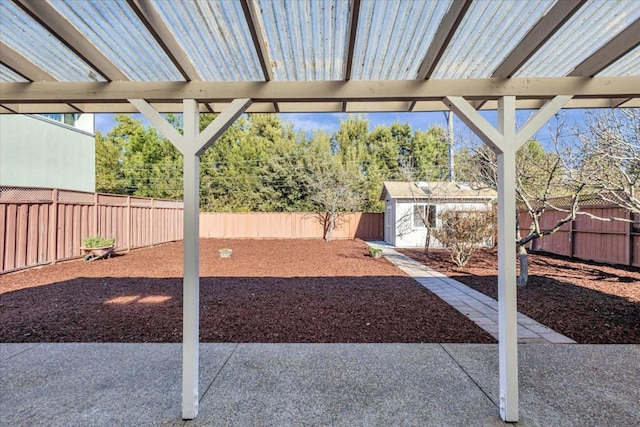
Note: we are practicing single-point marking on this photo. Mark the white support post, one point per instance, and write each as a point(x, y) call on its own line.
point(505, 142)
point(191, 262)
point(507, 308)
point(192, 144)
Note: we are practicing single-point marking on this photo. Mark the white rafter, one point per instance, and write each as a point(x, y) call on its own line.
point(59, 26)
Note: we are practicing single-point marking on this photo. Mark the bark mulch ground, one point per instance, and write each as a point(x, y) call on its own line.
point(591, 303)
point(269, 291)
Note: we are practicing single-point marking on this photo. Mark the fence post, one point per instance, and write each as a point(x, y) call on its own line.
point(129, 227)
point(53, 227)
point(96, 228)
point(571, 239)
point(152, 228)
point(628, 250)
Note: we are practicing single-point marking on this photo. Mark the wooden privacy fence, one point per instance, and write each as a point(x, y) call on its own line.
point(286, 225)
point(41, 225)
point(614, 242)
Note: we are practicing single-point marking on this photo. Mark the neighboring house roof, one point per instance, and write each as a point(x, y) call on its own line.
point(434, 191)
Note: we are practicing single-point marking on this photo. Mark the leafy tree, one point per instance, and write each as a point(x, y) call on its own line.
point(261, 164)
point(429, 154)
point(254, 166)
point(109, 158)
point(152, 164)
point(136, 160)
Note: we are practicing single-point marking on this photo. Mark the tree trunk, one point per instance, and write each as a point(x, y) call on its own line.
point(523, 277)
point(427, 241)
point(332, 223)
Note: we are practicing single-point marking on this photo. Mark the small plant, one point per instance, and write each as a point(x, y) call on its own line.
point(225, 252)
point(462, 232)
point(97, 242)
point(375, 252)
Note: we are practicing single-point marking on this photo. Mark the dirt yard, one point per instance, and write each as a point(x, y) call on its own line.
point(586, 301)
point(269, 291)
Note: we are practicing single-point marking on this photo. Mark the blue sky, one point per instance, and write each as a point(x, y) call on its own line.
point(330, 122)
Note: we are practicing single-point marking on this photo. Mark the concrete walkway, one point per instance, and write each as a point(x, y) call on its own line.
point(481, 309)
point(249, 385)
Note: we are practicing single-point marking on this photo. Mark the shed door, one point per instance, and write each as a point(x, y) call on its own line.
point(388, 221)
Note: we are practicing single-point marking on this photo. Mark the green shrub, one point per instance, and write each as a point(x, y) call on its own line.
point(375, 252)
point(97, 242)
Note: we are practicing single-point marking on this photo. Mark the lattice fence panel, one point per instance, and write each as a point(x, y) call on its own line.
point(112, 200)
point(25, 194)
point(66, 196)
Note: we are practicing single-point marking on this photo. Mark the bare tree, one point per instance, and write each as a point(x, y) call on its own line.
point(335, 190)
point(462, 232)
point(541, 179)
point(608, 156)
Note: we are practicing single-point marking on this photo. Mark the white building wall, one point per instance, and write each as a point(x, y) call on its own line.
point(410, 236)
point(38, 152)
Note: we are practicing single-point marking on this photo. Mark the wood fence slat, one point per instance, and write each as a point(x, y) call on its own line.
point(22, 240)
point(68, 231)
point(11, 237)
point(4, 236)
point(43, 234)
point(33, 230)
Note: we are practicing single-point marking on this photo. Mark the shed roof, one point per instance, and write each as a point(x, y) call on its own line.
point(435, 191)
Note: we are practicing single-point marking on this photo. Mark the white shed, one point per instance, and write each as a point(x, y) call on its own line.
point(406, 203)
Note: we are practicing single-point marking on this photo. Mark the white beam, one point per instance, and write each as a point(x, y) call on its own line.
point(503, 142)
point(474, 120)
point(442, 37)
point(310, 107)
point(321, 91)
point(541, 117)
point(507, 308)
point(255, 26)
point(22, 65)
point(354, 13)
point(544, 29)
point(160, 123)
point(160, 31)
point(616, 48)
point(49, 17)
point(220, 124)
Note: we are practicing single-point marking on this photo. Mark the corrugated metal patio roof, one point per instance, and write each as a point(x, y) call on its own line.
point(316, 55)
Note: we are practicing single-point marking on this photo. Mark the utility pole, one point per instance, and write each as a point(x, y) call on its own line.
point(450, 140)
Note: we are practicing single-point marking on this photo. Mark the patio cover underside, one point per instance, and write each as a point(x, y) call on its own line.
point(368, 78)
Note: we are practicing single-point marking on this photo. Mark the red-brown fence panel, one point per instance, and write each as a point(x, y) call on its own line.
point(43, 225)
point(289, 225)
point(588, 238)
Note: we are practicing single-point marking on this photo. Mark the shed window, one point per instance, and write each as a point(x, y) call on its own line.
point(422, 213)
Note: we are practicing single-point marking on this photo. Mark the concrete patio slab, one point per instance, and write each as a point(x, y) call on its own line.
point(97, 384)
point(317, 384)
point(345, 385)
point(11, 350)
point(577, 385)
